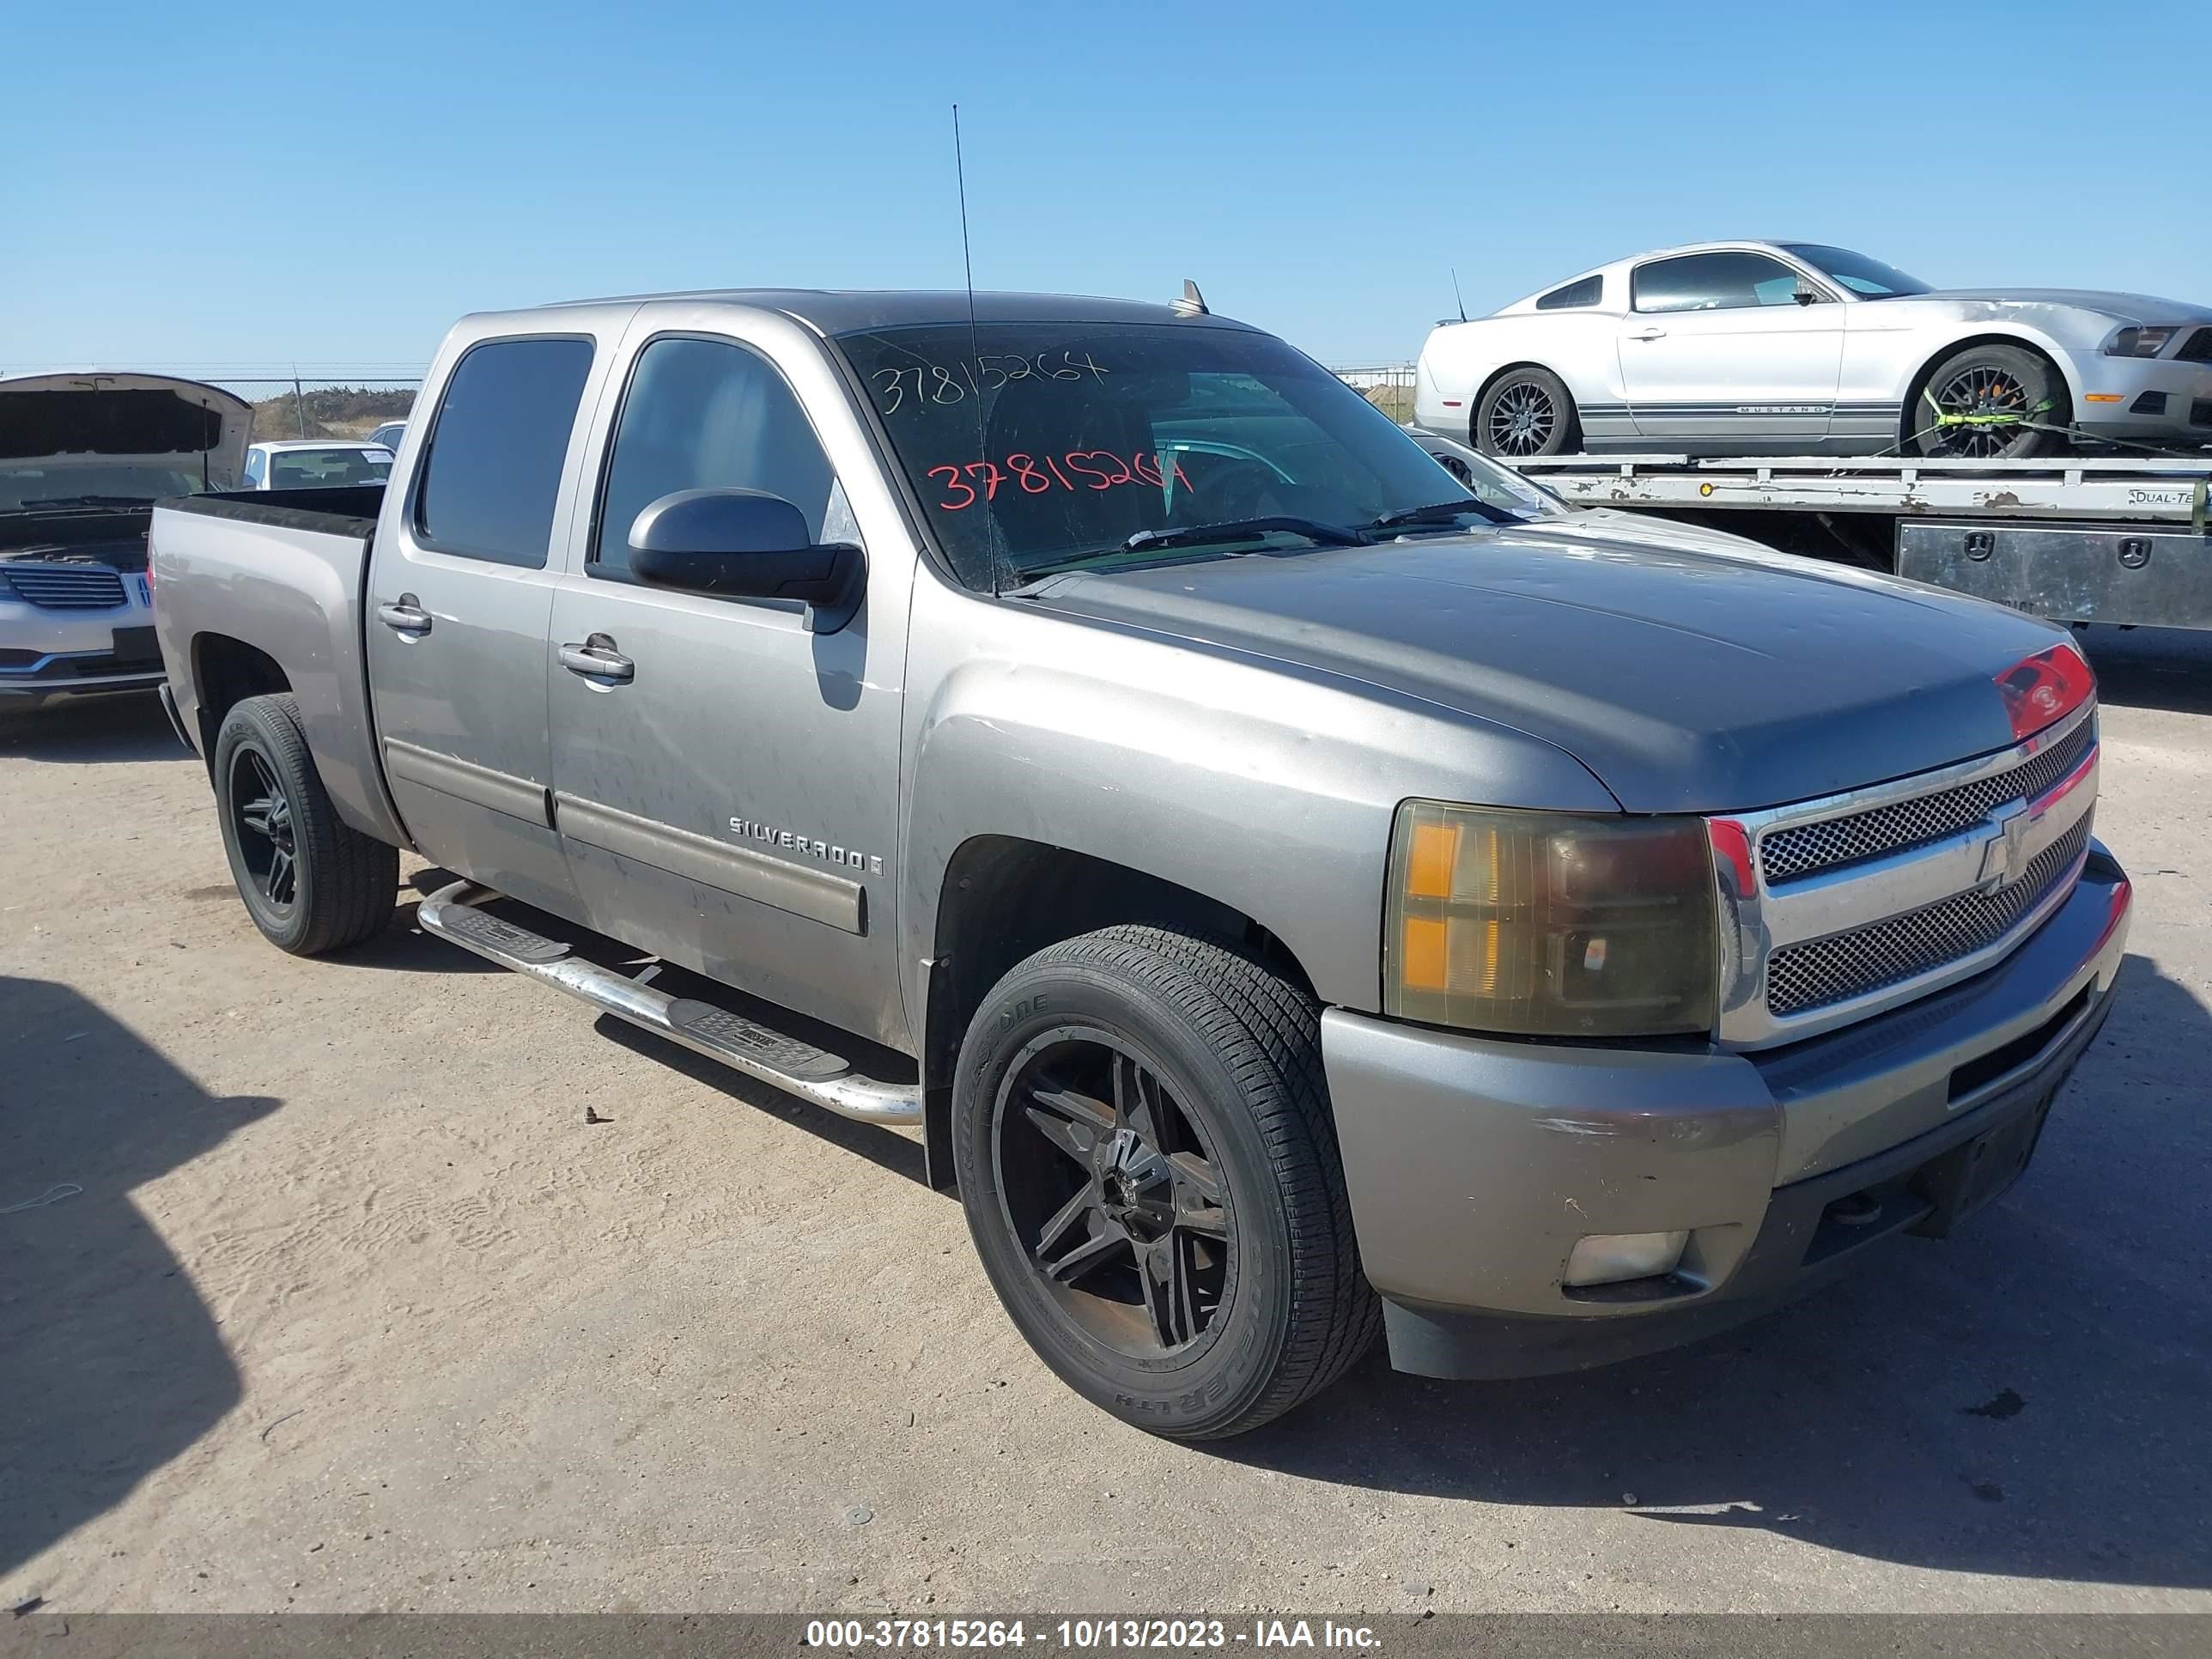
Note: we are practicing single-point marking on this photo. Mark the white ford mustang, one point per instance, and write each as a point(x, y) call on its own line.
point(1792, 348)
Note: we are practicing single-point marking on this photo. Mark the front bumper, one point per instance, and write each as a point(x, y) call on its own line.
point(2150, 398)
point(46, 654)
point(1475, 1165)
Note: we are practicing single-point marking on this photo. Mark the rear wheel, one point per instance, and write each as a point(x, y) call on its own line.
point(1526, 412)
point(312, 883)
point(1977, 405)
point(1150, 1172)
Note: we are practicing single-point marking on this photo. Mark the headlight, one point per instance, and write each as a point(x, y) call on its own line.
point(2140, 342)
point(1543, 924)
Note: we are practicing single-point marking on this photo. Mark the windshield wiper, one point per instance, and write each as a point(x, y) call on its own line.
point(1444, 512)
point(1244, 530)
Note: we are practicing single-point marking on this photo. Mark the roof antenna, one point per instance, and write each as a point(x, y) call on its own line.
point(1461, 303)
point(975, 340)
point(1192, 303)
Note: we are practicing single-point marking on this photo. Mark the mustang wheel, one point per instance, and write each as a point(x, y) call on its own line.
point(310, 882)
point(1528, 411)
point(1149, 1173)
point(1988, 391)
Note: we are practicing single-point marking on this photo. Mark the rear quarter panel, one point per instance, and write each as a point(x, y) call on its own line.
point(269, 578)
point(1581, 347)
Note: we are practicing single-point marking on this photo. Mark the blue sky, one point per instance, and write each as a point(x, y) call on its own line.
point(333, 185)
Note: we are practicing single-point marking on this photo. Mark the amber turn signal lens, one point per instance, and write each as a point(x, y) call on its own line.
point(1546, 924)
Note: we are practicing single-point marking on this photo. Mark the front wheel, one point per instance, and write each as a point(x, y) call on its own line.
point(1985, 404)
point(1150, 1172)
point(1527, 412)
point(312, 883)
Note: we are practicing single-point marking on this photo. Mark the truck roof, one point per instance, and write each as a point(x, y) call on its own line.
point(844, 311)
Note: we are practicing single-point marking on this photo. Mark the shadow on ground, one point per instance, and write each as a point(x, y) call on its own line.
point(110, 1364)
point(92, 731)
point(2029, 1397)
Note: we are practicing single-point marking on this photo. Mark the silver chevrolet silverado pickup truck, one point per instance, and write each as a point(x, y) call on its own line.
point(1299, 878)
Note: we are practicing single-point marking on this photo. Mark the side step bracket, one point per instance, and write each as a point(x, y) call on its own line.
point(744, 1045)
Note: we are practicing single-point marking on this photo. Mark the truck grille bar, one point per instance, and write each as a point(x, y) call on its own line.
point(1835, 909)
point(1804, 977)
point(1785, 855)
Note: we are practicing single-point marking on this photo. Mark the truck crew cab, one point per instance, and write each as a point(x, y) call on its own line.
point(1300, 882)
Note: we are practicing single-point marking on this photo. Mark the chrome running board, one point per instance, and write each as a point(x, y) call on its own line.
point(742, 1044)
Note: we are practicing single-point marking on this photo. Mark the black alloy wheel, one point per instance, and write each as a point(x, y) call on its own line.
point(1143, 1143)
point(263, 819)
point(1112, 1190)
point(310, 881)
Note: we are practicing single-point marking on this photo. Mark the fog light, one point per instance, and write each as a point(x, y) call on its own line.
point(1610, 1258)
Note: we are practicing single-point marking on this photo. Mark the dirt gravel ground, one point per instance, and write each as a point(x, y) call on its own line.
point(354, 1310)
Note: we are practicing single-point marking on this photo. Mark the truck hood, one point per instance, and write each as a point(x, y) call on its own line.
point(1689, 670)
point(106, 423)
point(2123, 308)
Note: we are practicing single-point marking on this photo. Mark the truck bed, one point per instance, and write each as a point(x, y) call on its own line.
point(281, 573)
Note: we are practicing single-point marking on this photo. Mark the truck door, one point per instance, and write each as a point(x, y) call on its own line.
point(1716, 346)
point(459, 595)
point(726, 782)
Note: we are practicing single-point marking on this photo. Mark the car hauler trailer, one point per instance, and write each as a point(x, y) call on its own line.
point(2071, 538)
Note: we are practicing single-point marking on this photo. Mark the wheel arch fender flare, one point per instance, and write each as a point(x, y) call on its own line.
point(2010, 334)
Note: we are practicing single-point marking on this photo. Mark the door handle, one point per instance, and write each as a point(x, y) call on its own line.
point(405, 617)
point(597, 658)
point(1648, 334)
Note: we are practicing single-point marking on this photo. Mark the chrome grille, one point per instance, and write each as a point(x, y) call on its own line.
point(1810, 848)
point(65, 586)
point(1801, 977)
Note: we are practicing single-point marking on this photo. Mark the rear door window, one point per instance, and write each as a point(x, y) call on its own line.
point(500, 436)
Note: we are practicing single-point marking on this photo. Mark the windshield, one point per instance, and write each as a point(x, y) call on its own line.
point(52, 481)
point(1869, 279)
point(1033, 443)
point(317, 469)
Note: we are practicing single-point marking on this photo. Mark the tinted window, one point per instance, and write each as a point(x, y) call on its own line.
point(500, 436)
point(1714, 281)
point(1587, 292)
point(708, 415)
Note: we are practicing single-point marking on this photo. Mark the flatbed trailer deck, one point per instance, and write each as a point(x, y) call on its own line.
point(2072, 538)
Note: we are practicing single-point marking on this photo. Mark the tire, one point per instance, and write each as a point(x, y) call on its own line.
point(1166, 1093)
point(313, 884)
point(1988, 379)
point(1525, 413)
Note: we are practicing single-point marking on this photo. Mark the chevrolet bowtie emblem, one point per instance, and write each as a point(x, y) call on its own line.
point(2004, 855)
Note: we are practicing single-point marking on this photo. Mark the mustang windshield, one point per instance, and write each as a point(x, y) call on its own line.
point(1869, 279)
point(1036, 444)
